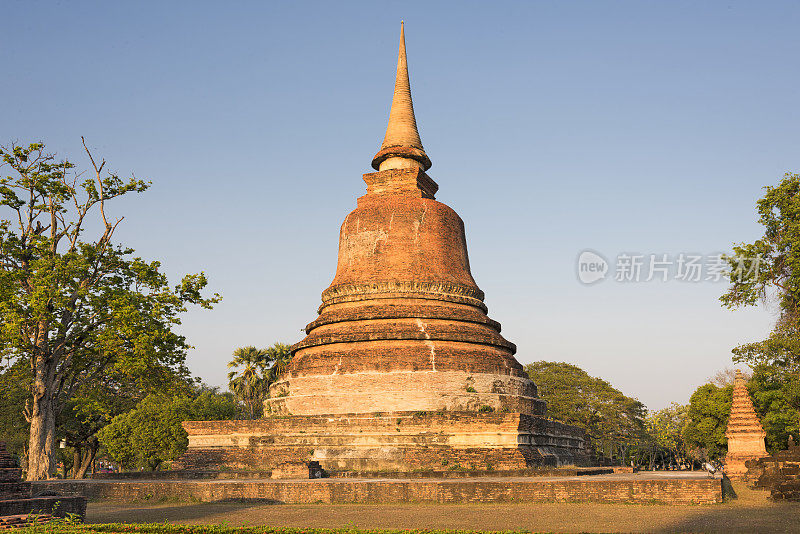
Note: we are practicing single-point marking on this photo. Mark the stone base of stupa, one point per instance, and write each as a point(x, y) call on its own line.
point(735, 467)
point(389, 441)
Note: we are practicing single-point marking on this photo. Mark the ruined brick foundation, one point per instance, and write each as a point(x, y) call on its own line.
point(397, 441)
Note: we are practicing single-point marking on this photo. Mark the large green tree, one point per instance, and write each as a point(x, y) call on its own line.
point(707, 419)
point(666, 428)
point(613, 421)
point(94, 405)
point(775, 391)
point(72, 305)
point(769, 270)
point(151, 434)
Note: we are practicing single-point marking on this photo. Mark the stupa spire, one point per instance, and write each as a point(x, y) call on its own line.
point(402, 146)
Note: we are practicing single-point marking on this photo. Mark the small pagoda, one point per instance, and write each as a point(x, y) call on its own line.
point(745, 433)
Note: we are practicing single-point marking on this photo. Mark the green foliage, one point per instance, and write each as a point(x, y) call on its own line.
point(151, 434)
point(254, 370)
point(777, 276)
point(14, 390)
point(75, 308)
point(211, 405)
point(775, 392)
point(666, 428)
point(707, 419)
point(574, 397)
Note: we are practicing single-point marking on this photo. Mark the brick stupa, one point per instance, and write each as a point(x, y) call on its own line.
point(745, 433)
point(403, 369)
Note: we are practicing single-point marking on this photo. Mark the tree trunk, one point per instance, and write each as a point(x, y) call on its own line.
point(42, 438)
point(87, 461)
point(77, 454)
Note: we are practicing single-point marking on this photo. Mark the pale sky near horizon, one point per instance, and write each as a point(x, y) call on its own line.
point(553, 127)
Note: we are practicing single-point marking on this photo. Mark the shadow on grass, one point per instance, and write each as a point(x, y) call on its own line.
point(158, 513)
point(750, 512)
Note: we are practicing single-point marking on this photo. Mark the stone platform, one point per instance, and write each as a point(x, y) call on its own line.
point(394, 441)
point(646, 488)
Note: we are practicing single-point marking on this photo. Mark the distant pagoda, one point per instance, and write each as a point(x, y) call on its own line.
point(745, 433)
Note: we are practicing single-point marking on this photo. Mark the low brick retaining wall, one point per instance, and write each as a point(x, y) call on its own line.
point(601, 488)
point(56, 506)
point(197, 474)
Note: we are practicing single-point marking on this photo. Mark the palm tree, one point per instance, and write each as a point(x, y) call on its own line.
point(249, 384)
point(280, 354)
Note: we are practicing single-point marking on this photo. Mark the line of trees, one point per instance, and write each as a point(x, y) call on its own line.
point(624, 432)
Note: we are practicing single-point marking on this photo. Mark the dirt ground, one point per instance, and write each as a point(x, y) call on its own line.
point(750, 513)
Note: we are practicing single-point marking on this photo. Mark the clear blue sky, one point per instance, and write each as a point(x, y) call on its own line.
point(553, 127)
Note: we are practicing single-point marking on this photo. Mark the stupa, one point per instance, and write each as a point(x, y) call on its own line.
point(402, 369)
point(745, 433)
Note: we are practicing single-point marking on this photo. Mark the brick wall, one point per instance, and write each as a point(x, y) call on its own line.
point(600, 489)
point(397, 441)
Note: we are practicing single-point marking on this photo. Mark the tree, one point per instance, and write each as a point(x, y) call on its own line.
point(726, 377)
point(259, 369)
point(666, 428)
point(75, 307)
point(707, 420)
point(151, 434)
point(94, 405)
point(14, 389)
point(612, 420)
point(769, 270)
point(211, 405)
point(280, 355)
point(775, 392)
point(248, 385)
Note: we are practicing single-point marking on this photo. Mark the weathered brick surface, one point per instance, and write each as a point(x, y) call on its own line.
point(745, 433)
point(428, 391)
point(699, 490)
point(14, 490)
point(15, 495)
point(58, 506)
point(779, 473)
point(396, 441)
point(403, 301)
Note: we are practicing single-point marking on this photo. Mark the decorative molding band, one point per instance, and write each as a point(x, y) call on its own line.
point(472, 338)
point(446, 291)
point(405, 312)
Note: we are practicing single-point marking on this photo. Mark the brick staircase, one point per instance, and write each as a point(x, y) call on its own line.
point(19, 509)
